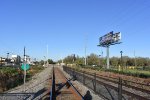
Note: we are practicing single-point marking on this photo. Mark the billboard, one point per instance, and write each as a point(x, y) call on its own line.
point(110, 38)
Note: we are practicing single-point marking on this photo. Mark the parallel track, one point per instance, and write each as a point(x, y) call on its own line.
point(110, 85)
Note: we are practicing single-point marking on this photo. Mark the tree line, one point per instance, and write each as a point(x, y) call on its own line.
point(42, 62)
point(96, 60)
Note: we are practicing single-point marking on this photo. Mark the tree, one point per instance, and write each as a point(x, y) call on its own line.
point(93, 59)
point(124, 61)
point(140, 61)
point(59, 61)
point(79, 61)
point(130, 62)
point(70, 59)
point(114, 61)
point(41, 62)
point(50, 61)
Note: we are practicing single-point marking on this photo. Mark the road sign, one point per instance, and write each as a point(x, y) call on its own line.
point(25, 66)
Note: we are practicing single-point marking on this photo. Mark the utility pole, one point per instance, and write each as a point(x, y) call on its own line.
point(102, 60)
point(44, 60)
point(62, 61)
point(134, 59)
point(85, 50)
point(73, 58)
point(24, 68)
point(47, 55)
point(121, 60)
point(85, 59)
point(85, 55)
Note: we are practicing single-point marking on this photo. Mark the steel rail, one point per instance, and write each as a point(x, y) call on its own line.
point(52, 93)
point(68, 81)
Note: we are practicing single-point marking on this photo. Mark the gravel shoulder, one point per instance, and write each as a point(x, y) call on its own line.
point(33, 88)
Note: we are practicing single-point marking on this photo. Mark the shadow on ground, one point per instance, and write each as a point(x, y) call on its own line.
point(88, 96)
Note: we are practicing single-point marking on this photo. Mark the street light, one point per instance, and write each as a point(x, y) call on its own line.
point(121, 60)
point(7, 58)
point(99, 60)
point(7, 55)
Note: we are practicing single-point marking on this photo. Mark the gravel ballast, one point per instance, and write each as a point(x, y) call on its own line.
point(83, 89)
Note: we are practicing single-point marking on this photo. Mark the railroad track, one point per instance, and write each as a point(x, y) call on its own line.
point(114, 89)
point(55, 87)
point(62, 88)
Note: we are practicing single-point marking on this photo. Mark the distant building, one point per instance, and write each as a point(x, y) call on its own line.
point(27, 59)
point(16, 59)
point(2, 60)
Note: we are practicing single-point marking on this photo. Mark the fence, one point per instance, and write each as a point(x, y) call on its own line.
point(111, 89)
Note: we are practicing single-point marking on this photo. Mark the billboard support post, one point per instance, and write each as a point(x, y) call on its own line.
point(107, 57)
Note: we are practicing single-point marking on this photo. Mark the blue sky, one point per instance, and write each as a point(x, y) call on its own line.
point(65, 25)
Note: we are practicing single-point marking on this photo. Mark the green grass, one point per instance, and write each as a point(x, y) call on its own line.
point(132, 72)
point(8, 71)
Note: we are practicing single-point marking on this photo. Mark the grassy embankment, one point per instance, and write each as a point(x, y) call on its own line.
point(132, 75)
point(128, 72)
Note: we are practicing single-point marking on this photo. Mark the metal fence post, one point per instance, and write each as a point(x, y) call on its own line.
point(83, 78)
point(66, 68)
point(94, 82)
point(73, 72)
point(120, 89)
